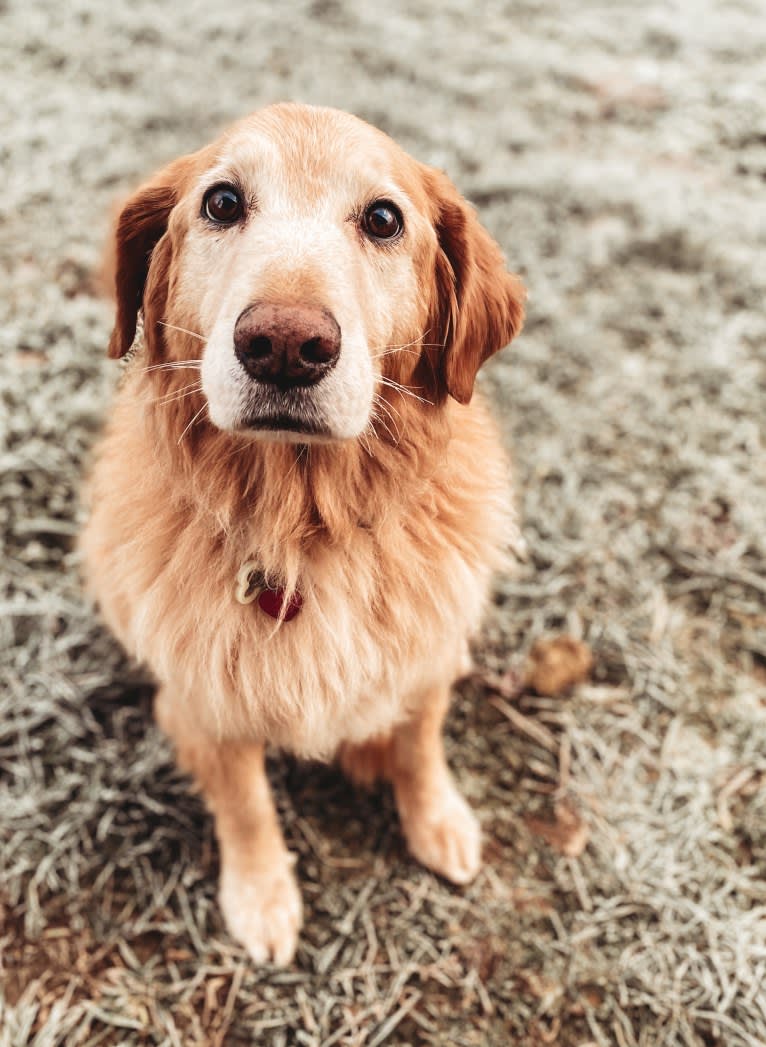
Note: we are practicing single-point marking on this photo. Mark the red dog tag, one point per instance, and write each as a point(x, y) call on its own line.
point(272, 601)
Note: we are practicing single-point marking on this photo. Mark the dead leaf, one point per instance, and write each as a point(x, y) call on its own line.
point(568, 834)
point(556, 664)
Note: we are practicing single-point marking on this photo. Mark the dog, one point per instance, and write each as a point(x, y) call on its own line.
point(298, 503)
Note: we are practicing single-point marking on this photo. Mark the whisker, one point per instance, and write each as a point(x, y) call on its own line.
point(397, 349)
point(191, 423)
point(385, 427)
point(405, 349)
point(386, 407)
point(296, 463)
point(402, 345)
point(402, 389)
point(389, 406)
point(175, 365)
point(169, 398)
point(379, 402)
point(367, 432)
point(183, 330)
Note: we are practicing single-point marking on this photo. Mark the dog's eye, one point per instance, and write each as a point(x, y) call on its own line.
point(223, 205)
point(382, 220)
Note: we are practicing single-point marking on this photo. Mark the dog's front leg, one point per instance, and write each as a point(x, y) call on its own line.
point(259, 897)
point(258, 893)
point(440, 828)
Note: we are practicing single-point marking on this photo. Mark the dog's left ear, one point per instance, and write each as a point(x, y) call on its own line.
point(479, 305)
point(142, 224)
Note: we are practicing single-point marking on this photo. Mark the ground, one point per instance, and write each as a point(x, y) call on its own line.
point(618, 153)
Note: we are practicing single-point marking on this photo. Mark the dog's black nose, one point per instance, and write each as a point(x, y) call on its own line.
point(286, 345)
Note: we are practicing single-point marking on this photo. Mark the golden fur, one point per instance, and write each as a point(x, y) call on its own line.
point(390, 538)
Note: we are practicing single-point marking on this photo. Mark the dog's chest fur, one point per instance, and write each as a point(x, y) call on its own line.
point(393, 580)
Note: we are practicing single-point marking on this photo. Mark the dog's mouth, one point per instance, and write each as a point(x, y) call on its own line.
point(285, 423)
point(285, 414)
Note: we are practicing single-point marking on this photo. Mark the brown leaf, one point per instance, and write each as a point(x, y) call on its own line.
point(568, 834)
point(556, 664)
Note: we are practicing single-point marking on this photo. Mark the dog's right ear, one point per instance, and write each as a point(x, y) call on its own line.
point(141, 225)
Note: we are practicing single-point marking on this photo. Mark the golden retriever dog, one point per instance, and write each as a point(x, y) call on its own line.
point(298, 504)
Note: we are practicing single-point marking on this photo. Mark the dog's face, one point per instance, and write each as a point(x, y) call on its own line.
point(317, 266)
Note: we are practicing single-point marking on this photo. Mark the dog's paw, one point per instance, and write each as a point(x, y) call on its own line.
point(263, 911)
point(444, 835)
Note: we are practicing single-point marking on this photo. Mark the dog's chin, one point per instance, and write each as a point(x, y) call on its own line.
point(286, 428)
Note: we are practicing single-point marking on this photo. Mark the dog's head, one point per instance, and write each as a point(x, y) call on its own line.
point(313, 267)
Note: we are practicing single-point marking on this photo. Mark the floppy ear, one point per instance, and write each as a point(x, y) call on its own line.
point(141, 225)
point(479, 304)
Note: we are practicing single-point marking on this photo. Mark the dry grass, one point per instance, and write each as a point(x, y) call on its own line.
point(619, 157)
